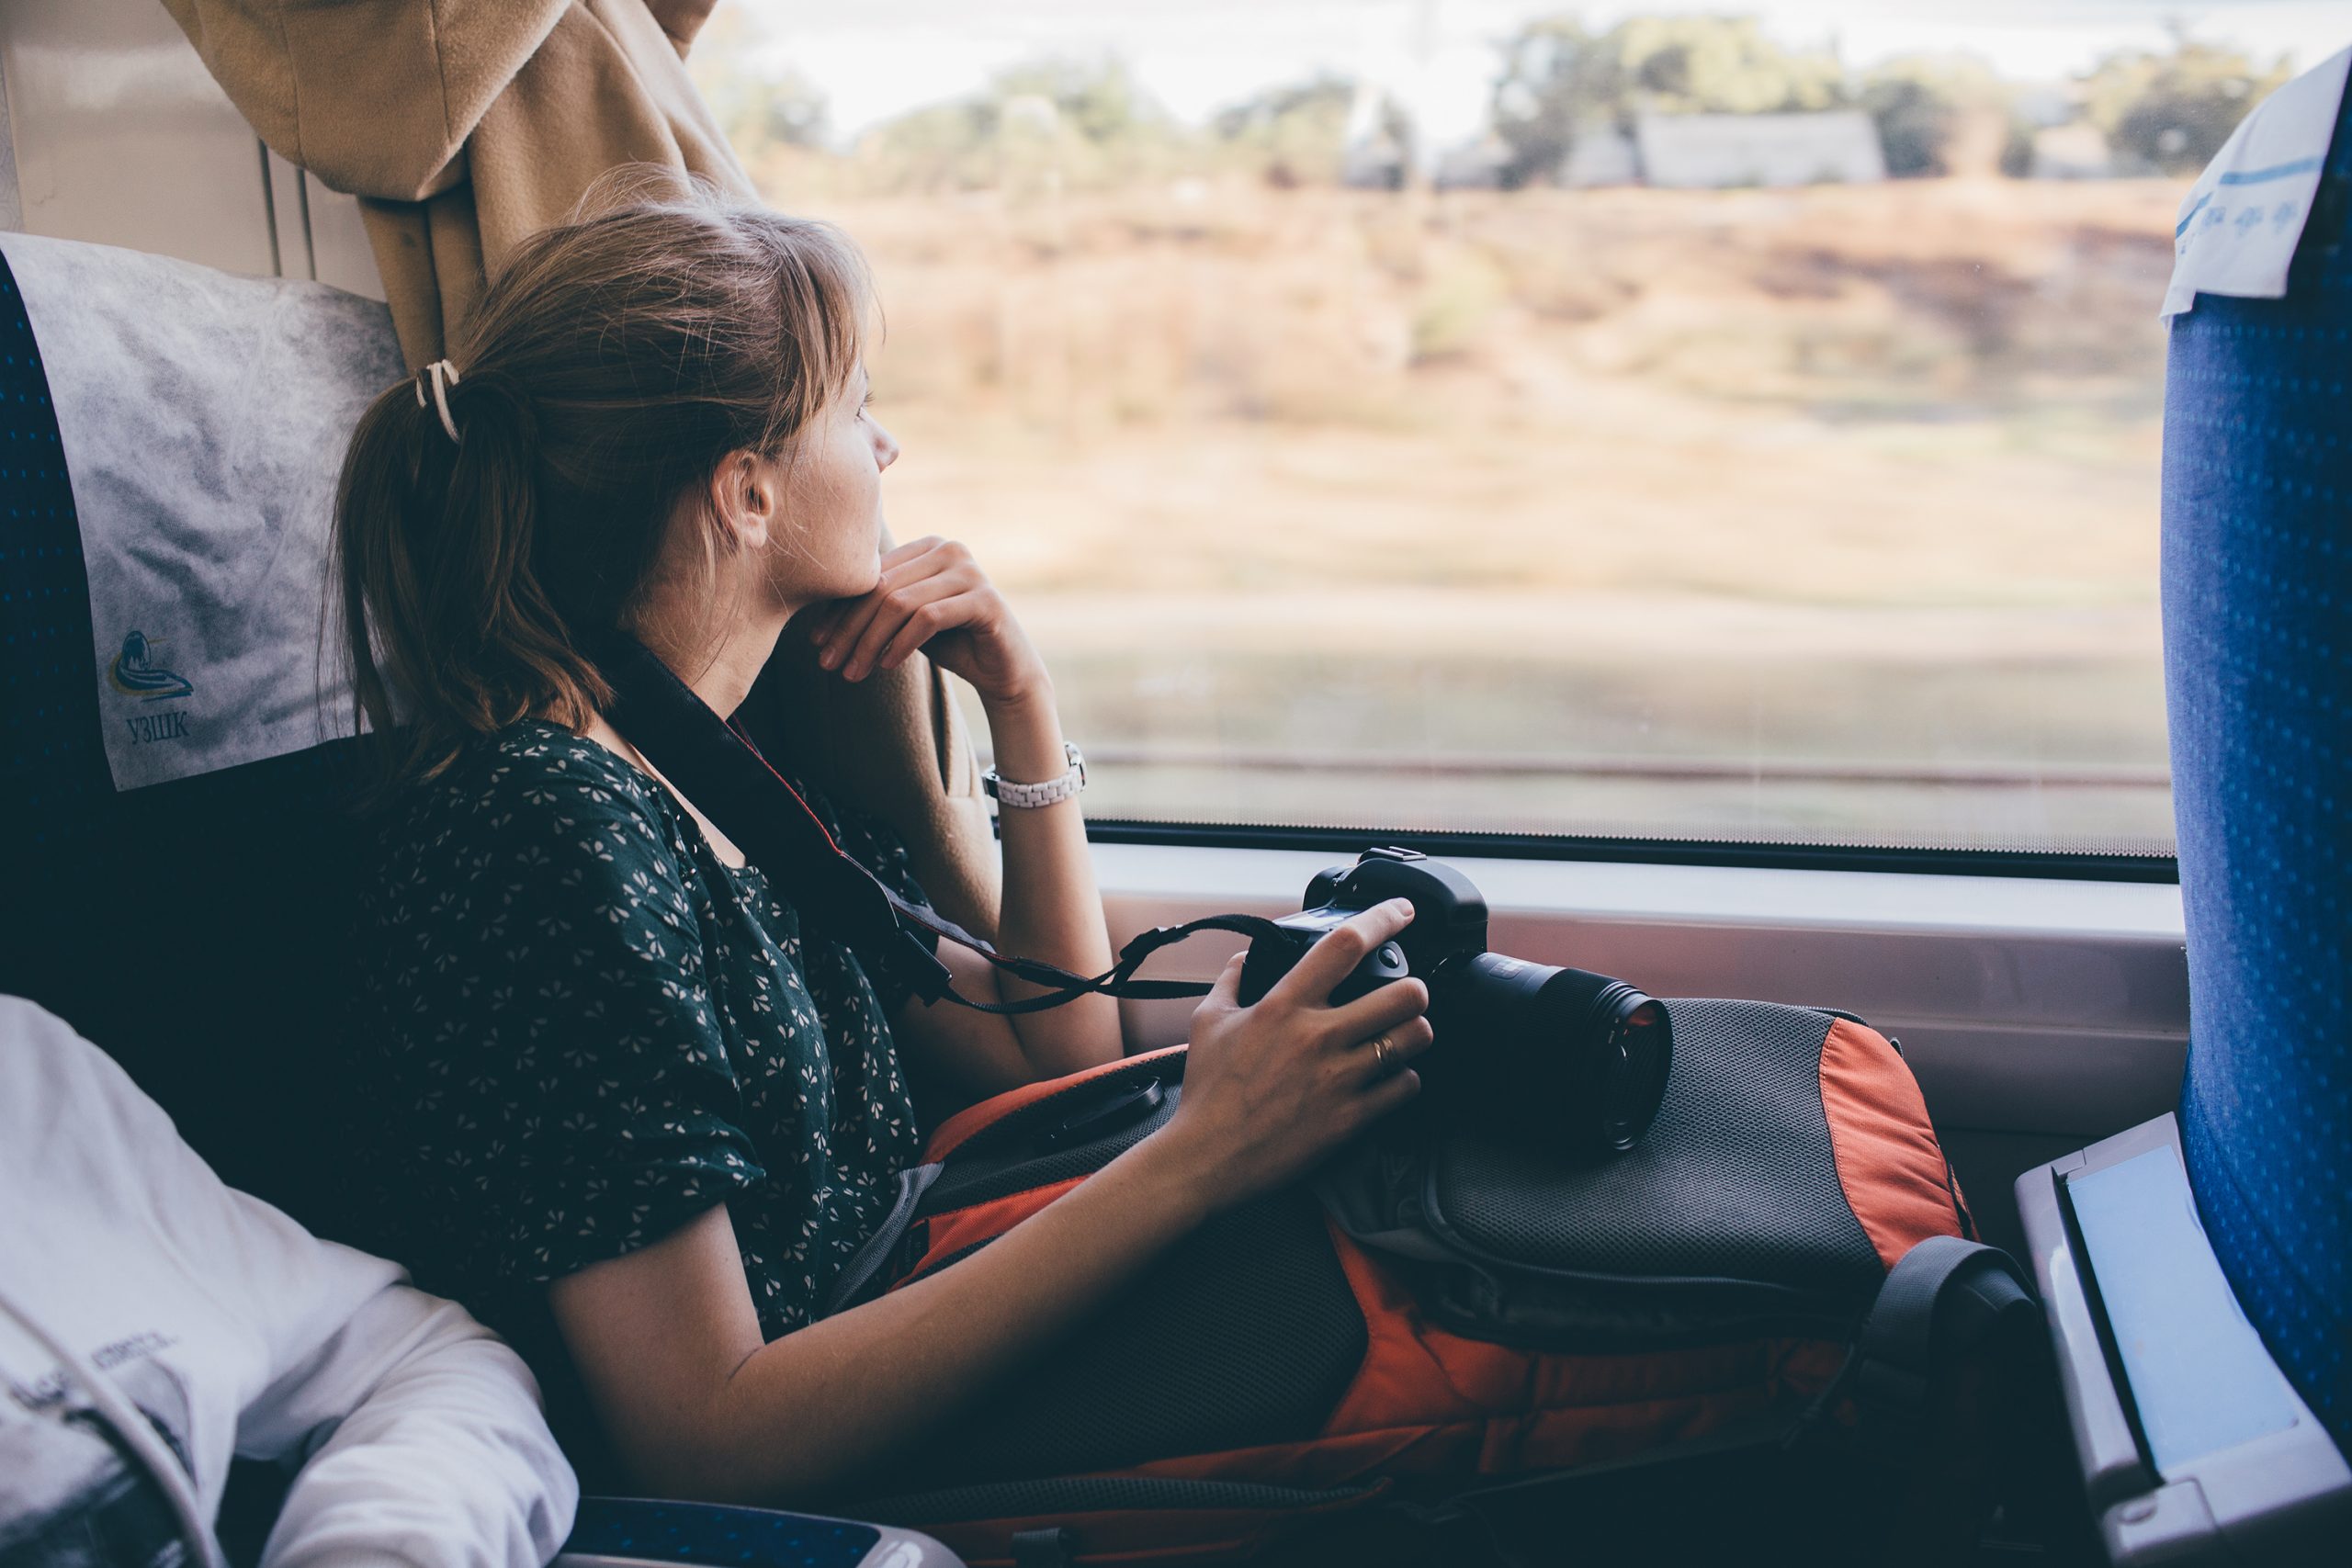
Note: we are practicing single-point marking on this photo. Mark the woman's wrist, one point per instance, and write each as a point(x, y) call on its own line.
point(1025, 734)
point(1166, 1163)
point(1031, 694)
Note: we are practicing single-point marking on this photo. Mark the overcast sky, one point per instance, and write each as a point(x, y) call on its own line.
point(874, 59)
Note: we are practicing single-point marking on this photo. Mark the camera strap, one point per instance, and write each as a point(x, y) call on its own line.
point(715, 762)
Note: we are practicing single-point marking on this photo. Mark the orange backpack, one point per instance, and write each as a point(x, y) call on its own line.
point(1449, 1327)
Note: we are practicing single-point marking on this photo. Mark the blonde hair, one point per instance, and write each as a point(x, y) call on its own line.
point(612, 363)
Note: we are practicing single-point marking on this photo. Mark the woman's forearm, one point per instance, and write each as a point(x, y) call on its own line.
point(808, 1413)
point(1051, 908)
point(701, 1404)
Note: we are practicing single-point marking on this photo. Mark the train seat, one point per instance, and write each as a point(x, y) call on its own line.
point(2195, 1269)
point(191, 926)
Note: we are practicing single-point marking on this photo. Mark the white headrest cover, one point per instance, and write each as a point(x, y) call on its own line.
point(204, 418)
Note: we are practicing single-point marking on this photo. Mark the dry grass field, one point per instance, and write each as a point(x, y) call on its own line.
point(1784, 514)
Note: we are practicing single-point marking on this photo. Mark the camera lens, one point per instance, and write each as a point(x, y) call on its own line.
point(1634, 1060)
point(1585, 1056)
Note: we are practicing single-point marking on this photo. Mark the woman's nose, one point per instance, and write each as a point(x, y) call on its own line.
point(885, 447)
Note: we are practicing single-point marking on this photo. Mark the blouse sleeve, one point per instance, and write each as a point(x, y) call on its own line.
point(572, 1089)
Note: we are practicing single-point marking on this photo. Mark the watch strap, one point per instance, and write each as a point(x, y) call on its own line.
point(1008, 793)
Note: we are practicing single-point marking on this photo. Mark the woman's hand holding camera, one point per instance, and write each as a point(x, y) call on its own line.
point(1271, 1089)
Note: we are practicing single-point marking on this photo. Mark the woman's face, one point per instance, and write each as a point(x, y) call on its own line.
point(827, 539)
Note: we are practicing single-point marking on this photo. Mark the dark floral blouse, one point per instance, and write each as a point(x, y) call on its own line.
point(589, 1030)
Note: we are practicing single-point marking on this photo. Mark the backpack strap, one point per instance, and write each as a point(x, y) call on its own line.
point(866, 1262)
point(1943, 1301)
point(1051, 1547)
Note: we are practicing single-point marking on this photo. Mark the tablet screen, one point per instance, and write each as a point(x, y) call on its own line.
point(2198, 1374)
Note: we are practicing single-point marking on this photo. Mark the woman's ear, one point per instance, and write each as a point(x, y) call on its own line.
point(746, 497)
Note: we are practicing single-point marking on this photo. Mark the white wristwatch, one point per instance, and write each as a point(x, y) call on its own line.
point(1010, 793)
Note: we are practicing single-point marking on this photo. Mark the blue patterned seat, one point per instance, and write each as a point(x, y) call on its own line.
point(2257, 605)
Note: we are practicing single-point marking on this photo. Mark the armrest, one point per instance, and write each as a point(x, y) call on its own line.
point(2192, 1446)
point(623, 1532)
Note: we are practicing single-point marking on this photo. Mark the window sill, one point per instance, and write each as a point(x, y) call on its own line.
point(2025, 1005)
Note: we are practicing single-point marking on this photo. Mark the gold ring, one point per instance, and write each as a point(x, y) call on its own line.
point(1381, 1045)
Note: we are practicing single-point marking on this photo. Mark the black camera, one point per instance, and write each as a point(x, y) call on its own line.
point(1583, 1058)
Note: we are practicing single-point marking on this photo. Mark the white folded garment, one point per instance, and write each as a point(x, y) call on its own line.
point(2242, 218)
point(204, 418)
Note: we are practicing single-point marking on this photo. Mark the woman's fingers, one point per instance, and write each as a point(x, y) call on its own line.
point(917, 559)
point(841, 623)
point(855, 650)
point(1334, 957)
point(910, 550)
point(829, 620)
point(1226, 995)
point(1405, 1042)
point(1384, 1007)
point(939, 616)
point(855, 617)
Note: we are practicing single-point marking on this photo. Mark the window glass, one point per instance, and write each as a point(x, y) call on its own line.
point(1487, 416)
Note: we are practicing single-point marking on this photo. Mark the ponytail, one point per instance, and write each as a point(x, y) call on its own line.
point(498, 519)
point(435, 548)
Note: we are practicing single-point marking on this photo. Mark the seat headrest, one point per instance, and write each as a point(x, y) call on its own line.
point(203, 418)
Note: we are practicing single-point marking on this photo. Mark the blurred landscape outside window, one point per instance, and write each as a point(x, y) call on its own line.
point(1482, 416)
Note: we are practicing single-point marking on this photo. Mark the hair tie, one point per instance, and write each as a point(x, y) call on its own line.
point(445, 375)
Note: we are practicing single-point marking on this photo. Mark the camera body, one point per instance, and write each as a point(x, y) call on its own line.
point(1582, 1059)
point(1449, 920)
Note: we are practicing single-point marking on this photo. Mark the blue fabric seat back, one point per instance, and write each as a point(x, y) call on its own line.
point(193, 930)
point(2257, 608)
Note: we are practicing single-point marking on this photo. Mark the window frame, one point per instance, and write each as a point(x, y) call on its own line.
point(1792, 854)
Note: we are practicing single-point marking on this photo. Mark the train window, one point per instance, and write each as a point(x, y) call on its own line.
point(1477, 417)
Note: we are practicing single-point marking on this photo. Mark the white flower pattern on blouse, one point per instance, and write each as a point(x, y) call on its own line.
point(594, 1030)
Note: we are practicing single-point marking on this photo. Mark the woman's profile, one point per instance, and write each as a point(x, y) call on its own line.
point(634, 1114)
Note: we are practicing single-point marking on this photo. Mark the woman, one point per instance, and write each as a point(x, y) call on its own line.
point(640, 1121)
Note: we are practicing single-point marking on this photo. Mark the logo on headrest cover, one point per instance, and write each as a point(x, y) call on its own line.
point(136, 674)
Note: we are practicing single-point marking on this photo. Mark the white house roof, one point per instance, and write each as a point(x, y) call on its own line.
point(1715, 150)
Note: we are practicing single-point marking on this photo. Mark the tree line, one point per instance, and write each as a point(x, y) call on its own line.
point(1088, 122)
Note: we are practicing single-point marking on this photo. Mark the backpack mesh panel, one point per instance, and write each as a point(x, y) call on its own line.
point(1735, 1180)
point(1244, 1333)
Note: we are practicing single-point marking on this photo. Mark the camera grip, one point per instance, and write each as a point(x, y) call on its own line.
point(1272, 958)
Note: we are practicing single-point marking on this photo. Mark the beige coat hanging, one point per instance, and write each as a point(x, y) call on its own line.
point(463, 126)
